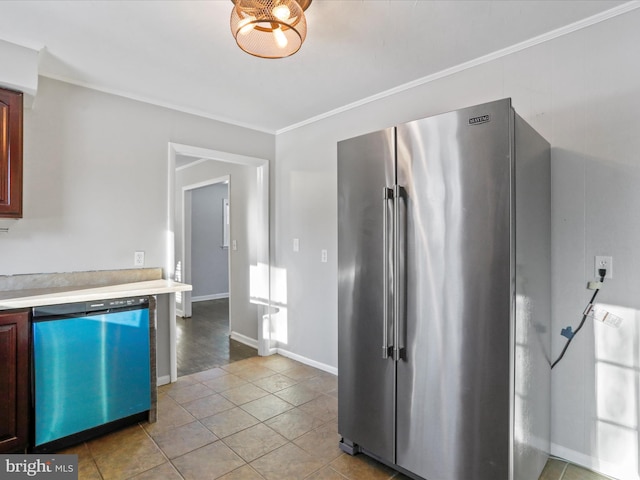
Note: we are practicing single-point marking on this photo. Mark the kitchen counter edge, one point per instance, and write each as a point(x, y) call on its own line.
point(55, 296)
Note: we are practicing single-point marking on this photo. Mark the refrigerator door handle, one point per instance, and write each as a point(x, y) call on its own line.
point(386, 348)
point(398, 350)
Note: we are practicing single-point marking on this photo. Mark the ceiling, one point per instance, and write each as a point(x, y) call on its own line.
point(181, 53)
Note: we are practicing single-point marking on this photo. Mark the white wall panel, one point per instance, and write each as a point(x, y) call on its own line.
point(581, 92)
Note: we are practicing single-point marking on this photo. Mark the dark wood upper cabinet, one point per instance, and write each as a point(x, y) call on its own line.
point(14, 381)
point(10, 154)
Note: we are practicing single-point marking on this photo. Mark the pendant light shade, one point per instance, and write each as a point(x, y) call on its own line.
point(269, 28)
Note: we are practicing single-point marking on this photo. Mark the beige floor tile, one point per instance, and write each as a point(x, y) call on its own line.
point(207, 463)
point(207, 406)
point(361, 467)
point(322, 443)
point(288, 462)
point(266, 407)
point(244, 394)
point(275, 383)
point(125, 453)
point(324, 407)
point(293, 423)
point(254, 442)
point(333, 393)
point(254, 372)
point(166, 471)
point(209, 374)
point(170, 415)
point(181, 382)
point(184, 439)
point(229, 422)
point(334, 425)
point(227, 382)
point(325, 382)
point(190, 393)
point(239, 365)
point(298, 394)
point(246, 472)
point(326, 473)
point(573, 472)
point(553, 470)
point(87, 468)
point(279, 363)
point(302, 372)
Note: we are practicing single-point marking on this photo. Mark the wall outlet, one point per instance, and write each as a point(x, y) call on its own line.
point(234, 245)
point(296, 244)
point(138, 259)
point(606, 263)
point(323, 256)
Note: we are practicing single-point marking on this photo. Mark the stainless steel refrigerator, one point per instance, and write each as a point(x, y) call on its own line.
point(444, 296)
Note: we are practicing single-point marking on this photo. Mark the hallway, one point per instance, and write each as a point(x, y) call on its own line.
point(203, 340)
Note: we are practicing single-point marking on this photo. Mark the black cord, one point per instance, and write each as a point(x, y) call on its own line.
point(584, 318)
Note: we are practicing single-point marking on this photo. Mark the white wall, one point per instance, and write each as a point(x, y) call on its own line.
point(96, 182)
point(243, 315)
point(95, 179)
point(210, 265)
point(581, 92)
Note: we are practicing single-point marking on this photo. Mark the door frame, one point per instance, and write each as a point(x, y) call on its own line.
point(261, 274)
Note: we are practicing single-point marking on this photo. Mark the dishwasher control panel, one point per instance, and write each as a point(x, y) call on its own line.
point(117, 303)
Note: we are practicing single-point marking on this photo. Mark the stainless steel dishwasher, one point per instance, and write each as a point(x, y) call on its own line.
point(91, 369)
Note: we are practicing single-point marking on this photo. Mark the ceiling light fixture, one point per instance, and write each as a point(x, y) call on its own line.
point(269, 28)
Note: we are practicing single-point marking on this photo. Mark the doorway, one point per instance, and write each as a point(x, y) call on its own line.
point(205, 241)
point(248, 242)
point(203, 327)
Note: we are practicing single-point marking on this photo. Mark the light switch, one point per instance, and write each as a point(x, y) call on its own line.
point(296, 244)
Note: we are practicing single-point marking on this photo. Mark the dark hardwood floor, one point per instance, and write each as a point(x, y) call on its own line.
point(203, 340)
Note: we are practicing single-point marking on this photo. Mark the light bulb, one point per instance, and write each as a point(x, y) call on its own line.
point(281, 38)
point(245, 25)
point(281, 12)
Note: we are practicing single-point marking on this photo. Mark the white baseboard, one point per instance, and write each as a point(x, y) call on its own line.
point(592, 463)
point(307, 361)
point(164, 380)
point(238, 337)
point(285, 353)
point(179, 313)
point(214, 296)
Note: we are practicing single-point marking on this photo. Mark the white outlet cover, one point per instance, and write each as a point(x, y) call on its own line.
point(603, 262)
point(138, 259)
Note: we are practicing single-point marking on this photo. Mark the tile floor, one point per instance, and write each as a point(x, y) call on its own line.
point(259, 418)
point(557, 469)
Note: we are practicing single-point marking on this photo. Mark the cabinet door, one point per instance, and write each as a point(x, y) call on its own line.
point(10, 154)
point(14, 380)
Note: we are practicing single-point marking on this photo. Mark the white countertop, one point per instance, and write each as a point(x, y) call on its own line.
point(59, 295)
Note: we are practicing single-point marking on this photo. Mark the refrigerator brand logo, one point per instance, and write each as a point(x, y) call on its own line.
point(479, 120)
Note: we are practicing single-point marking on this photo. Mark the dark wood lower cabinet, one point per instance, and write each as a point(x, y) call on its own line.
point(14, 381)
